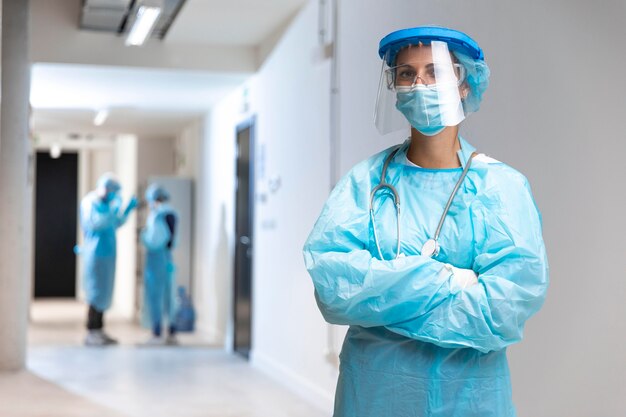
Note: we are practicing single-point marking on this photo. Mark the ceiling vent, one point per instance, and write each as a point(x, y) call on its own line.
point(118, 16)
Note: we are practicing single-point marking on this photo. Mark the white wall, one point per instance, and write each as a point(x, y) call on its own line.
point(290, 97)
point(187, 150)
point(215, 192)
point(553, 111)
point(100, 162)
point(292, 103)
point(156, 156)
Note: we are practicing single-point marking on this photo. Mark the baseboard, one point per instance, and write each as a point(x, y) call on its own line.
point(305, 389)
point(210, 334)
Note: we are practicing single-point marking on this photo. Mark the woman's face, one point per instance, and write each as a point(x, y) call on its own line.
point(415, 65)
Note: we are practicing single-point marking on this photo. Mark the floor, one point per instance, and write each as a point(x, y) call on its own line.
point(65, 379)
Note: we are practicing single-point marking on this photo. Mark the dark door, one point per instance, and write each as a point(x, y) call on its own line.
point(243, 250)
point(55, 225)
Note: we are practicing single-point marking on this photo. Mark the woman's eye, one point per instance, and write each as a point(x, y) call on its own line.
point(406, 74)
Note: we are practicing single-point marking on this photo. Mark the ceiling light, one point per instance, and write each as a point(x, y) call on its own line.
point(55, 150)
point(101, 117)
point(143, 25)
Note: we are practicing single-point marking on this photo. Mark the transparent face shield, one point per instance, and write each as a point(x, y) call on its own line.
point(423, 87)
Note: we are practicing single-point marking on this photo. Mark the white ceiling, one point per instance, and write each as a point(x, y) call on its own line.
point(154, 102)
point(234, 22)
point(142, 101)
point(82, 86)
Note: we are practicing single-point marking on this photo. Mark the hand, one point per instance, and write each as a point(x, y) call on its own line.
point(131, 205)
point(464, 278)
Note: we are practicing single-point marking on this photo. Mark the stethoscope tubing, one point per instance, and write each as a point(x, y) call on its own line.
point(452, 195)
point(396, 199)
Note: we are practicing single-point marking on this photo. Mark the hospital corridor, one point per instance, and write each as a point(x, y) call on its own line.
point(312, 208)
point(196, 379)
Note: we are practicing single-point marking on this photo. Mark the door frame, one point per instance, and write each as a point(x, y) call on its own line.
point(249, 123)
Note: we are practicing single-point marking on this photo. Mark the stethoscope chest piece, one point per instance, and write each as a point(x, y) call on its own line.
point(430, 248)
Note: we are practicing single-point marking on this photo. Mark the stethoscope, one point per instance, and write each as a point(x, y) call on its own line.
point(431, 247)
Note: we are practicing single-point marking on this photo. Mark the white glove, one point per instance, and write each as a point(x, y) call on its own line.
point(462, 278)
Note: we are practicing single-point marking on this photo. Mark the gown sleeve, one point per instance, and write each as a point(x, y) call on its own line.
point(511, 263)
point(121, 216)
point(351, 286)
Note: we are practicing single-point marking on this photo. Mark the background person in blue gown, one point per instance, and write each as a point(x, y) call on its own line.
point(158, 238)
point(101, 214)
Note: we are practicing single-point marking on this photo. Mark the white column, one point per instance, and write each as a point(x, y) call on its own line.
point(126, 265)
point(15, 186)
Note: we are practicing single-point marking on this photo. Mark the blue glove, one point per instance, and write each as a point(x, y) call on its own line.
point(131, 206)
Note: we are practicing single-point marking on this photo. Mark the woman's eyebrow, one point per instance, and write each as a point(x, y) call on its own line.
point(410, 64)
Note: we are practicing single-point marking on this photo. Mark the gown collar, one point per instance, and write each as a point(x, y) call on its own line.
point(464, 153)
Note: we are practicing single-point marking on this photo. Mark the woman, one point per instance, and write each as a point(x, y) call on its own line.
point(435, 288)
point(159, 237)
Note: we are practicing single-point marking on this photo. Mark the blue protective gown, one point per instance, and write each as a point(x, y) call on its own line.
point(99, 221)
point(159, 267)
point(419, 344)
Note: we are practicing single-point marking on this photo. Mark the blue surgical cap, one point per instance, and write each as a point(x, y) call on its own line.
point(477, 79)
point(107, 183)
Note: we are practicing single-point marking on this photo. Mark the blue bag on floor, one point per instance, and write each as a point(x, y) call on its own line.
point(185, 316)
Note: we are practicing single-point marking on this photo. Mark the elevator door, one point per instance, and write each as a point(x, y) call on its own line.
point(243, 250)
point(55, 225)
